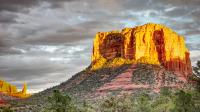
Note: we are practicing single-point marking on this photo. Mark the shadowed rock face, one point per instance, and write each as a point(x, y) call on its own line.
point(158, 39)
point(113, 46)
point(149, 44)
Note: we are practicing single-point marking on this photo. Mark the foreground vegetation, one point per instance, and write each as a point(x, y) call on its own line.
point(187, 100)
point(166, 101)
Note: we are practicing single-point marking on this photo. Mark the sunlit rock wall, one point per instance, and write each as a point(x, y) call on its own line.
point(11, 90)
point(150, 44)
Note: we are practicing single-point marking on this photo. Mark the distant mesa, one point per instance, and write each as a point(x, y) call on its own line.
point(149, 44)
point(12, 90)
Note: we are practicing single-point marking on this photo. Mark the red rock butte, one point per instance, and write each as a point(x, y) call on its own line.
point(11, 90)
point(149, 44)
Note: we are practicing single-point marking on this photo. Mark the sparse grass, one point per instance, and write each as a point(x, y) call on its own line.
point(97, 79)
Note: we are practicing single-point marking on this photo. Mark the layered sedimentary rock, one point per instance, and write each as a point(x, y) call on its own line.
point(11, 90)
point(150, 44)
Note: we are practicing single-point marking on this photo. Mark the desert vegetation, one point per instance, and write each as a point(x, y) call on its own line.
point(167, 101)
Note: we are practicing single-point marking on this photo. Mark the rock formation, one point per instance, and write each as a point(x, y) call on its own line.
point(149, 44)
point(11, 90)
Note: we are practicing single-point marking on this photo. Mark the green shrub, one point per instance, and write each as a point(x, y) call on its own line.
point(163, 102)
point(183, 102)
point(143, 103)
point(165, 91)
point(6, 109)
point(117, 104)
point(109, 105)
point(60, 103)
point(86, 107)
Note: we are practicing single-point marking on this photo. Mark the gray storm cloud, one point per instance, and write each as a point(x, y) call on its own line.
point(44, 42)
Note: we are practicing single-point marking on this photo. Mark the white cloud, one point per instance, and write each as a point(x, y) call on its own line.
point(195, 56)
point(170, 9)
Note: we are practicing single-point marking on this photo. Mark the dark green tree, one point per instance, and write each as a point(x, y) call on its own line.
point(196, 99)
point(86, 107)
point(60, 103)
point(118, 104)
point(109, 105)
point(196, 70)
point(125, 103)
point(183, 102)
point(163, 102)
point(165, 91)
point(143, 103)
point(6, 109)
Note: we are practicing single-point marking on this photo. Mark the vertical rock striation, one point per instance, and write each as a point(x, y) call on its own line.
point(150, 44)
point(11, 90)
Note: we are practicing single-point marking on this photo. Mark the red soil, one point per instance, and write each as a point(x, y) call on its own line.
point(124, 82)
point(2, 102)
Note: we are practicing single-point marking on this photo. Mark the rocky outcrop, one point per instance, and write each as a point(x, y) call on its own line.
point(150, 44)
point(11, 90)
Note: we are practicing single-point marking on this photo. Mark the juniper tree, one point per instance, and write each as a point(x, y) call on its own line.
point(60, 103)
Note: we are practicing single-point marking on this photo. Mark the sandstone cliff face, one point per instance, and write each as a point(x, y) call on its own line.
point(150, 44)
point(11, 90)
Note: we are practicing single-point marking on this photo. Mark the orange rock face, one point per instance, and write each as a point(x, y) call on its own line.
point(11, 90)
point(150, 44)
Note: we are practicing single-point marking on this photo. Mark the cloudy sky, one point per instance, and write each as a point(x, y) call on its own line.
point(45, 42)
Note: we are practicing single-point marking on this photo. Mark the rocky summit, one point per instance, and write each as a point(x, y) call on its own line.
point(148, 44)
